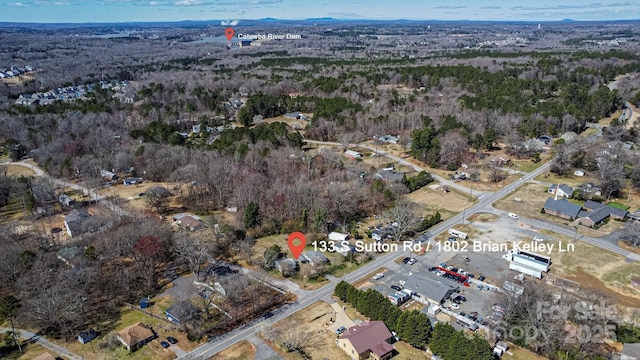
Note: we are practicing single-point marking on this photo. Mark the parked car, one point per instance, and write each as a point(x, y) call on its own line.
point(454, 306)
point(412, 261)
point(164, 344)
point(492, 288)
point(460, 298)
point(480, 287)
point(481, 278)
point(340, 330)
point(268, 315)
point(378, 276)
point(396, 287)
point(537, 238)
point(465, 258)
point(172, 340)
point(514, 216)
point(401, 282)
point(451, 239)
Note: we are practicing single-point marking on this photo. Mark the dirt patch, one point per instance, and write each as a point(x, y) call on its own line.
point(296, 124)
point(623, 244)
point(17, 170)
point(313, 323)
point(242, 350)
point(432, 198)
point(366, 281)
point(483, 217)
point(589, 282)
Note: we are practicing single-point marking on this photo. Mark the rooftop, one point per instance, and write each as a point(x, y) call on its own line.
point(563, 206)
point(369, 336)
point(429, 286)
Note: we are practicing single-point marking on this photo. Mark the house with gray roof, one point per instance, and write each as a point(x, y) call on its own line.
point(563, 190)
point(314, 258)
point(77, 222)
point(390, 176)
point(286, 266)
point(561, 208)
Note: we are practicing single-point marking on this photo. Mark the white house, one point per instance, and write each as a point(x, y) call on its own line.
point(353, 154)
point(562, 190)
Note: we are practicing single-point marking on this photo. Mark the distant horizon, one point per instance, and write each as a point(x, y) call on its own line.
point(327, 19)
point(127, 11)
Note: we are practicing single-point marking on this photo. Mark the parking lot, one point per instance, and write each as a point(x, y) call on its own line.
point(480, 263)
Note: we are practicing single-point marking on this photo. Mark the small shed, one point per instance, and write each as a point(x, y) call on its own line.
point(87, 336)
point(145, 302)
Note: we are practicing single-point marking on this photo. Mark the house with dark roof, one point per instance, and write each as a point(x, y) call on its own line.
point(389, 139)
point(561, 208)
point(589, 190)
point(181, 311)
point(429, 287)
point(190, 222)
point(598, 212)
point(286, 266)
point(135, 336)
point(87, 336)
point(562, 190)
point(390, 176)
point(371, 340)
point(314, 258)
point(595, 217)
point(77, 222)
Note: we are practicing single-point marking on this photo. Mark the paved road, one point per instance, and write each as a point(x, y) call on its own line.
point(37, 339)
point(485, 204)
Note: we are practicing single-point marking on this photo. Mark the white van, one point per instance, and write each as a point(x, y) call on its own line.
point(514, 216)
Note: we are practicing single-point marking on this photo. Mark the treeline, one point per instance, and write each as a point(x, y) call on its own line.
point(413, 327)
point(451, 344)
point(239, 139)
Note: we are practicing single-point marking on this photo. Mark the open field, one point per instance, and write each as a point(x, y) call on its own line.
point(297, 124)
point(431, 198)
point(242, 350)
point(599, 270)
point(312, 321)
point(522, 354)
point(17, 170)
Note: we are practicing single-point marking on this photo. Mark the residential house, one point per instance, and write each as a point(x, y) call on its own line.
point(108, 175)
point(181, 311)
point(589, 190)
point(158, 191)
point(44, 356)
point(579, 172)
point(314, 258)
point(389, 139)
point(296, 115)
point(390, 176)
point(630, 352)
point(135, 336)
point(371, 340)
point(77, 222)
point(562, 190)
point(501, 160)
point(87, 336)
point(375, 235)
point(286, 266)
point(561, 208)
point(345, 249)
point(353, 155)
point(568, 136)
point(66, 200)
point(191, 222)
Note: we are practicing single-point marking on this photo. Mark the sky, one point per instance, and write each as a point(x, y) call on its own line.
point(96, 11)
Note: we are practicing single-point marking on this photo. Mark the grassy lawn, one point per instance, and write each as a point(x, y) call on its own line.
point(522, 354)
point(407, 352)
point(572, 181)
point(242, 350)
point(17, 170)
point(527, 166)
point(29, 351)
point(617, 205)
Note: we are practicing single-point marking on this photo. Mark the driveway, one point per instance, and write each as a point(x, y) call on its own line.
point(341, 318)
point(37, 339)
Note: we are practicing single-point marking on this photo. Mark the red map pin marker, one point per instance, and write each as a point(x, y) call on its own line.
point(296, 246)
point(229, 33)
